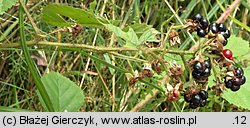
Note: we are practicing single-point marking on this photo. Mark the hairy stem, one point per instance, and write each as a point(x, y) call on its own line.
point(92, 48)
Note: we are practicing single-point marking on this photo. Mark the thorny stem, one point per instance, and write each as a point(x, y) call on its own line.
point(90, 48)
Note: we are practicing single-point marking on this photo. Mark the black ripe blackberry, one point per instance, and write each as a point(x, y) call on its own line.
point(203, 23)
point(187, 98)
point(206, 72)
point(193, 105)
point(196, 75)
point(213, 28)
point(226, 34)
point(198, 99)
point(235, 88)
point(239, 72)
point(221, 27)
point(198, 67)
point(228, 83)
point(237, 81)
point(243, 80)
point(201, 70)
point(224, 42)
point(203, 103)
point(234, 82)
point(222, 33)
point(197, 17)
point(201, 32)
point(207, 63)
point(203, 94)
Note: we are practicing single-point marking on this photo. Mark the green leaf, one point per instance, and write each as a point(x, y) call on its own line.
point(52, 14)
point(5, 5)
point(149, 36)
point(138, 28)
point(238, 46)
point(241, 97)
point(131, 39)
point(108, 60)
point(118, 31)
point(211, 78)
point(64, 94)
point(92, 6)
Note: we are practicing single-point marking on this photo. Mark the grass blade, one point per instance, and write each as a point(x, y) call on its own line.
point(30, 63)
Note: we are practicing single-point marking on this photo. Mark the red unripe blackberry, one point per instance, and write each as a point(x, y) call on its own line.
point(172, 98)
point(176, 93)
point(228, 54)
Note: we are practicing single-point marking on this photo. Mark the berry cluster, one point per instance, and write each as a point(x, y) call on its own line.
point(201, 71)
point(217, 30)
point(202, 24)
point(222, 32)
point(234, 82)
point(197, 99)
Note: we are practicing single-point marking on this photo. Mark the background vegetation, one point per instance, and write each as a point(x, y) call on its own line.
point(47, 67)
